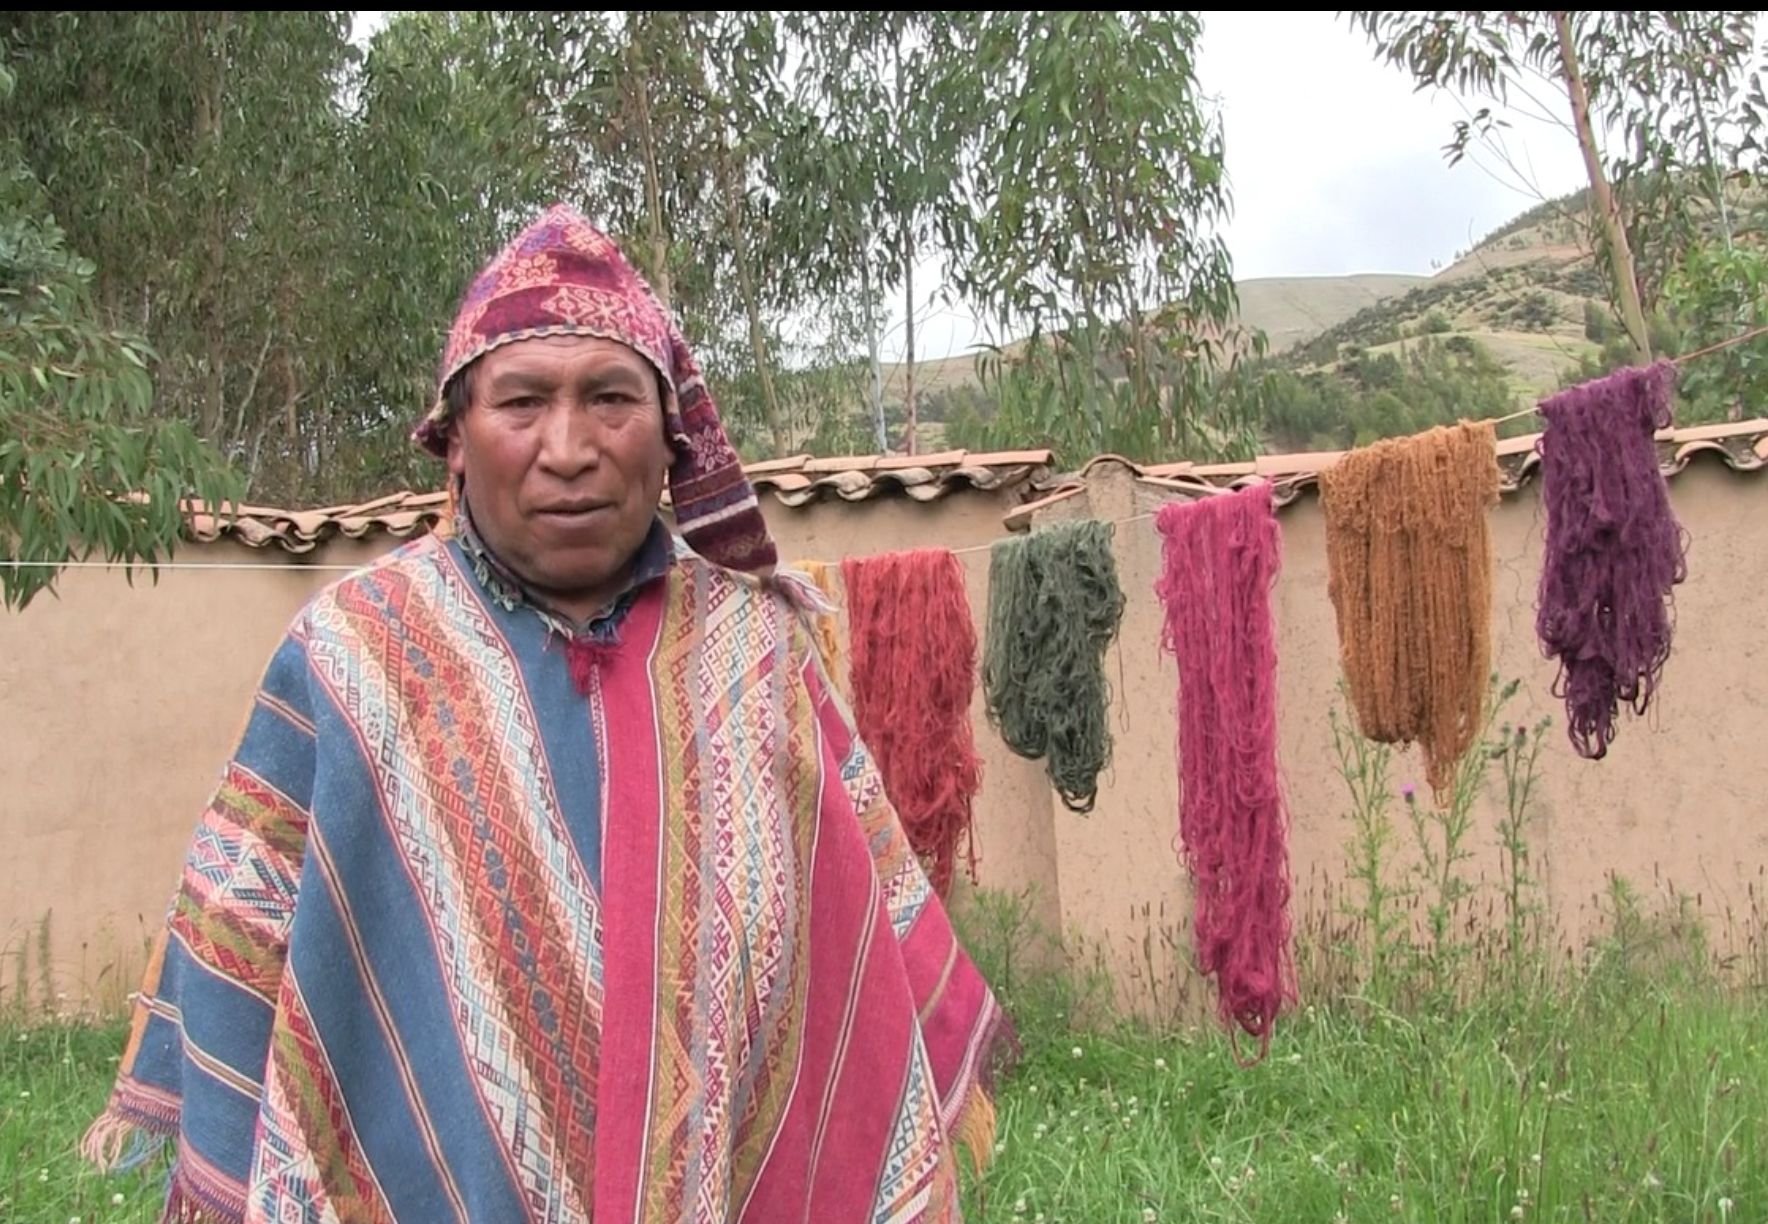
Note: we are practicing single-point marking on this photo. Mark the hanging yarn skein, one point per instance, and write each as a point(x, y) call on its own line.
point(828, 639)
point(1220, 557)
point(1054, 607)
point(1409, 573)
point(1613, 549)
point(912, 665)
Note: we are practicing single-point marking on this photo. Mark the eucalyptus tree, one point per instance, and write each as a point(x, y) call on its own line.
point(193, 156)
point(85, 467)
point(877, 162)
point(1647, 96)
point(1095, 200)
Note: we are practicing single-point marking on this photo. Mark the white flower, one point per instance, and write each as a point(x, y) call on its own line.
point(1149, 1215)
point(1078, 1052)
point(116, 1200)
point(1160, 1064)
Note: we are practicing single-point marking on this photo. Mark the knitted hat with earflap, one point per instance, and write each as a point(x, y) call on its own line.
point(563, 277)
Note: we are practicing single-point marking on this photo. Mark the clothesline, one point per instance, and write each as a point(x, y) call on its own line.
point(339, 569)
point(982, 548)
point(182, 565)
point(1740, 338)
point(316, 567)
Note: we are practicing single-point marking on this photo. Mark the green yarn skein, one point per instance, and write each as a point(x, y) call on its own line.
point(1054, 606)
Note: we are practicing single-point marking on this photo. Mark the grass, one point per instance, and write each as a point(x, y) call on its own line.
point(54, 1078)
point(1638, 1104)
point(1644, 1105)
point(1443, 1070)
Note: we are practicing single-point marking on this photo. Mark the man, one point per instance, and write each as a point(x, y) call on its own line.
point(549, 880)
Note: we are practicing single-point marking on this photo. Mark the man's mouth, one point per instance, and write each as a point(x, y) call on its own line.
point(573, 511)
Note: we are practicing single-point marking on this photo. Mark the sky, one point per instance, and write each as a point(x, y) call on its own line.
point(1335, 163)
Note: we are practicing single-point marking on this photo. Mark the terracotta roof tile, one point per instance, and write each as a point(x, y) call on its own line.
point(794, 481)
point(790, 463)
point(1742, 446)
point(803, 479)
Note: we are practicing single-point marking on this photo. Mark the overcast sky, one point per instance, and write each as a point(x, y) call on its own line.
point(1334, 162)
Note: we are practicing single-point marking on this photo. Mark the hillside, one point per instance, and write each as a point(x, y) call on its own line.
point(1521, 293)
point(1294, 309)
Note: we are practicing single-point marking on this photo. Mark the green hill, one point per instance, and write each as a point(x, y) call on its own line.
point(1522, 292)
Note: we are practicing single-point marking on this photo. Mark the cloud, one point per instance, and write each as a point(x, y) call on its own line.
point(1335, 161)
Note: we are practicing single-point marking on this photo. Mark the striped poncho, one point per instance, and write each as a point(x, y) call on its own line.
point(461, 939)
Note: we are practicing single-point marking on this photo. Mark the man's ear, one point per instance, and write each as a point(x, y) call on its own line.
point(457, 460)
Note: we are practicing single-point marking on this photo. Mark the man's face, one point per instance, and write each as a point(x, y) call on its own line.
point(563, 454)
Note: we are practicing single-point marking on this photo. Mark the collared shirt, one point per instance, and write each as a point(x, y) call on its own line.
point(655, 555)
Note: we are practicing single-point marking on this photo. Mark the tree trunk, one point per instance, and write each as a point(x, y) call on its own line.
point(206, 124)
point(909, 444)
point(879, 428)
point(733, 211)
point(1620, 253)
point(653, 184)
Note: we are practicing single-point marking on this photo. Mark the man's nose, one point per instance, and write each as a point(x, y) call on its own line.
point(570, 438)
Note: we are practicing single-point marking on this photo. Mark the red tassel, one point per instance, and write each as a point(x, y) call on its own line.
point(584, 655)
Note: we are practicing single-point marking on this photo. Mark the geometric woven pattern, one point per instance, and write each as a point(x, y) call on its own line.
point(387, 989)
point(464, 788)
